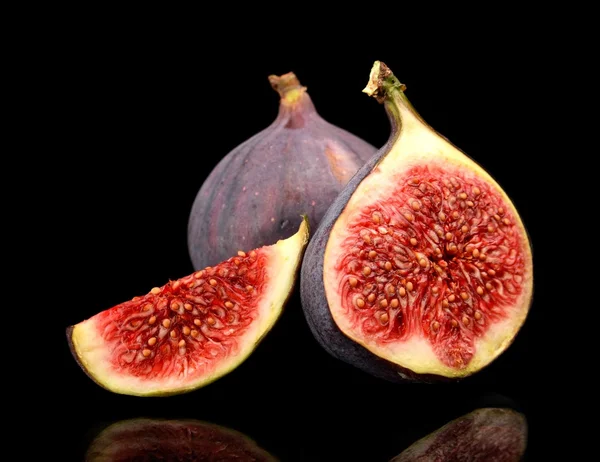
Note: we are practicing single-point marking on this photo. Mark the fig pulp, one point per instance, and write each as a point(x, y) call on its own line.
point(486, 435)
point(422, 268)
point(255, 194)
point(172, 440)
point(191, 331)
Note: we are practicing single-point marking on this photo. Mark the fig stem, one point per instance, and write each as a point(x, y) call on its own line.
point(385, 87)
point(382, 82)
point(288, 86)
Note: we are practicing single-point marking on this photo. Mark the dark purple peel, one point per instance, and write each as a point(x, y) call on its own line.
point(486, 435)
point(314, 300)
point(255, 195)
point(312, 288)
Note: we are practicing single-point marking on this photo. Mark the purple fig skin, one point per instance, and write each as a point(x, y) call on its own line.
point(486, 435)
point(257, 193)
point(314, 300)
point(312, 289)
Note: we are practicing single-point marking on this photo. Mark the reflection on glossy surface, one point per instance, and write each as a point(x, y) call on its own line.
point(173, 440)
point(487, 434)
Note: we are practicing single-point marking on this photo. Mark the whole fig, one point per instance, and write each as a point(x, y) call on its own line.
point(257, 193)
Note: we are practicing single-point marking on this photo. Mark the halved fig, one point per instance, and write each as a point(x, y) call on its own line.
point(486, 435)
point(191, 331)
point(422, 267)
point(177, 440)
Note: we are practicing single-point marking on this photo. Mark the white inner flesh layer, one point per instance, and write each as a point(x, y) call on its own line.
point(416, 146)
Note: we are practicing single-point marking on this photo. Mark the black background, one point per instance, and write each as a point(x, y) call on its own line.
point(141, 111)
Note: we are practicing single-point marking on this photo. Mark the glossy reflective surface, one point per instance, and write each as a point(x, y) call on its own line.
point(297, 403)
point(485, 434)
point(172, 439)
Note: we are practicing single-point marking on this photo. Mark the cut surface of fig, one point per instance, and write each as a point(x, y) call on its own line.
point(256, 193)
point(176, 440)
point(425, 260)
point(486, 435)
point(191, 331)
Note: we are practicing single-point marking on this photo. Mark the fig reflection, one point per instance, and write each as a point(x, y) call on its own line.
point(145, 439)
point(486, 434)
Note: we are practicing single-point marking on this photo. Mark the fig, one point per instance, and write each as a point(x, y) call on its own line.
point(173, 439)
point(255, 194)
point(193, 330)
point(421, 269)
point(487, 435)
